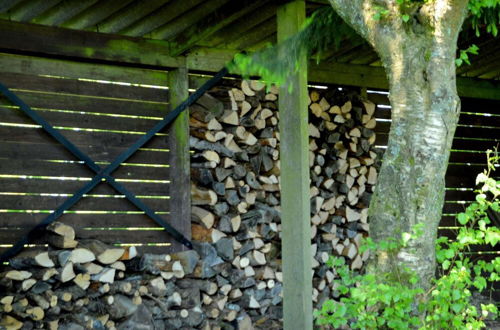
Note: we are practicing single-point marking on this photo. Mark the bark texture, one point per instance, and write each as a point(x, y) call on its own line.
point(418, 56)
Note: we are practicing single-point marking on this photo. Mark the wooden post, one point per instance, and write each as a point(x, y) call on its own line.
point(180, 199)
point(295, 204)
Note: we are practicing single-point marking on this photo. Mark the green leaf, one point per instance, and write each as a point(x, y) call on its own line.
point(446, 264)
point(457, 307)
point(405, 18)
point(462, 218)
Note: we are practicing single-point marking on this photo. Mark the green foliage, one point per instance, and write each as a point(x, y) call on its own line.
point(324, 30)
point(464, 55)
point(394, 302)
point(485, 13)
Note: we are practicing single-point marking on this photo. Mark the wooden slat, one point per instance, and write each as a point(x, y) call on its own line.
point(64, 119)
point(44, 168)
point(85, 204)
point(87, 104)
point(32, 65)
point(458, 143)
point(54, 151)
point(71, 43)
point(71, 186)
point(89, 139)
point(16, 81)
point(107, 220)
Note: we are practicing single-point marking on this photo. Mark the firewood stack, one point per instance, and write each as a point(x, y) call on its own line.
point(233, 276)
point(235, 175)
point(343, 171)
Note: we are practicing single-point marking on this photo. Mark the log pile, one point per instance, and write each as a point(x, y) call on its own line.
point(233, 278)
point(235, 193)
point(85, 284)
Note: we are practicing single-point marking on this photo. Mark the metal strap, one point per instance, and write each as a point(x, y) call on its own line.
point(104, 173)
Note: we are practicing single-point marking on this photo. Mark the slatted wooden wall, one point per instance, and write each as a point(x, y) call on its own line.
point(478, 130)
point(103, 109)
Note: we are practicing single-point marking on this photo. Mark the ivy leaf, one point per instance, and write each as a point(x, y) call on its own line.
point(446, 264)
point(405, 18)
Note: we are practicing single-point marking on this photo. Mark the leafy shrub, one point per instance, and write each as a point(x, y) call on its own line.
point(369, 302)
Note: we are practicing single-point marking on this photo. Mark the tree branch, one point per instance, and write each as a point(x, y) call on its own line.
point(353, 13)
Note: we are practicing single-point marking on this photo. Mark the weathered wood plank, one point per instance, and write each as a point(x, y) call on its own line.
point(85, 204)
point(81, 44)
point(56, 118)
point(87, 104)
point(295, 217)
point(34, 167)
point(71, 185)
point(178, 143)
point(23, 64)
point(105, 220)
point(16, 81)
point(55, 151)
point(84, 138)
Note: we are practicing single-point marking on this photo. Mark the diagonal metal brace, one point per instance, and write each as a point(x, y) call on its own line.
point(106, 172)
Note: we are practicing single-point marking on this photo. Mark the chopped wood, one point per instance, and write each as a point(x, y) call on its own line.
point(352, 215)
point(257, 85)
point(346, 107)
point(245, 87)
point(238, 94)
point(230, 117)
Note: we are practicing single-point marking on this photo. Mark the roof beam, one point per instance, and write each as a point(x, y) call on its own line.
point(5, 5)
point(50, 41)
point(221, 18)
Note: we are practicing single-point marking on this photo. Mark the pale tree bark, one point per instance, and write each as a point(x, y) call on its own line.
point(419, 59)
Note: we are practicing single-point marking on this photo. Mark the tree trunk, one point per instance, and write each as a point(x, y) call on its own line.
point(411, 186)
point(419, 58)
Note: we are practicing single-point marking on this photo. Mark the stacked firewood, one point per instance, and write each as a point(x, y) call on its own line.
point(233, 277)
point(343, 172)
point(235, 175)
point(86, 284)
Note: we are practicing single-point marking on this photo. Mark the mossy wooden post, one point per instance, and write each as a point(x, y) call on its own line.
point(180, 202)
point(295, 205)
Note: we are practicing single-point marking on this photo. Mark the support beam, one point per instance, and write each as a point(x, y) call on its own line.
point(50, 41)
point(180, 201)
point(295, 199)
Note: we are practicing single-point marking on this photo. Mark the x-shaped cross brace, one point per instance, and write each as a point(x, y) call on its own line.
point(106, 172)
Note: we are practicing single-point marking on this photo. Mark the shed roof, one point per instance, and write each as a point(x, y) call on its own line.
point(227, 26)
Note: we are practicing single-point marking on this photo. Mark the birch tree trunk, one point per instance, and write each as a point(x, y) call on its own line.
point(419, 58)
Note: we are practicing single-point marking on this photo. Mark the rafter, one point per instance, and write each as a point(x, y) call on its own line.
point(171, 29)
point(128, 15)
point(157, 18)
point(62, 12)
point(94, 14)
point(221, 18)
